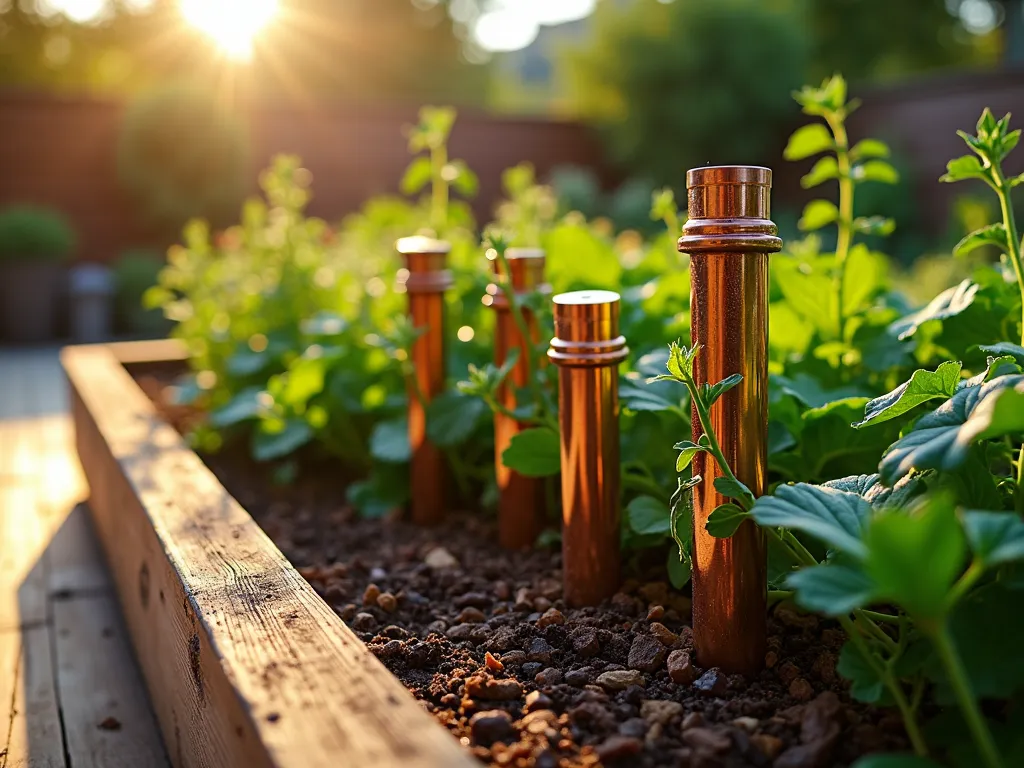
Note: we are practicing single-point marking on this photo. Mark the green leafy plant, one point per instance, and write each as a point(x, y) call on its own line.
point(34, 234)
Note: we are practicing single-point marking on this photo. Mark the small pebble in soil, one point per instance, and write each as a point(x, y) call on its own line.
point(768, 745)
point(364, 622)
point(617, 747)
point(492, 663)
point(388, 602)
point(439, 559)
point(646, 654)
point(619, 680)
point(801, 690)
point(665, 636)
point(707, 740)
point(585, 642)
point(680, 668)
point(471, 615)
point(549, 676)
point(660, 711)
point(490, 726)
point(371, 594)
point(712, 683)
point(551, 616)
point(656, 613)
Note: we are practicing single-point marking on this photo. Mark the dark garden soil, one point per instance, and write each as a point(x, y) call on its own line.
point(482, 637)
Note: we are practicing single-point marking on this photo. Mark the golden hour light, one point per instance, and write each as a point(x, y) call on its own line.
point(231, 24)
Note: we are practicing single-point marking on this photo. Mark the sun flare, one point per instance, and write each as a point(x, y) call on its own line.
point(231, 24)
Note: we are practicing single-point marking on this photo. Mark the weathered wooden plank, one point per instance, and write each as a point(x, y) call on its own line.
point(245, 664)
point(75, 561)
point(22, 556)
point(30, 730)
point(107, 719)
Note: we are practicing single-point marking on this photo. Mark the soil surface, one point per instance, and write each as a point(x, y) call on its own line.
point(482, 637)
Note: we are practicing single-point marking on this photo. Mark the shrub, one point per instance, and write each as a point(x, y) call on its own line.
point(173, 179)
point(135, 272)
point(28, 233)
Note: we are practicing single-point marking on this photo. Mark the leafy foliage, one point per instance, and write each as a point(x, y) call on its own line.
point(29, 234)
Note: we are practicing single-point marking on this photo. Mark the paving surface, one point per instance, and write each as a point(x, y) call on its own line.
point(71, 695)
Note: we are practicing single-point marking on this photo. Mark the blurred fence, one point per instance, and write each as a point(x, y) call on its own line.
point(60, 151)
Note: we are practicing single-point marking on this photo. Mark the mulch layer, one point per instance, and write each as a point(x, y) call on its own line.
point(482, 638)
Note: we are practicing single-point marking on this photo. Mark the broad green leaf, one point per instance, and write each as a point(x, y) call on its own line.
point(389, 441)
point(687, 450)
point(724, 520)
point(875, 170)
point(246, 405)
point(808, 293)
point(995, 537)
point(733, 489)
point(452, 417)
point(678, 565)
point(245, 362)
point(836, 518)
point(833, 590)
point(416, 176)
point(808, 140)
point(921, 387)
point(873, 491)
point(303, 379)
point(965, 167)
point(714, 391)
point(866, 685)
point(866, 275)
point(1005, 348)
point(580, 258)
point(462, 179)
point(830, 446)
point(993, 234)
point(874, 225)
point(905, 760)
point(648, 516)
point(941, 439)
point(869, 148)
point(643, 399)
point(913, 558)
point(949, 303)
point(817, 214)
point(267, 444)
point(824, 170)
point(534, 452)
point(987, 626)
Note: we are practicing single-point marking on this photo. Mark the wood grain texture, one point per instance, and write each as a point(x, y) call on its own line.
point(107, 719)
point(245, 664)
point(22, 562)
point(30, 733)
point(75, 561)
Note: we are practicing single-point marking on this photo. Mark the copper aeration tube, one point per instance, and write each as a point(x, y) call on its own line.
point(425, 280)
point(521, 499)
point(587, 348)
point(729, 235)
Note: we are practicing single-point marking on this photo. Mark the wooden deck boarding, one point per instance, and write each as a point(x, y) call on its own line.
point(246, 665)
point(71, 695)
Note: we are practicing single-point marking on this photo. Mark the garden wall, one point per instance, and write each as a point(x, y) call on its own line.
point(60, 151)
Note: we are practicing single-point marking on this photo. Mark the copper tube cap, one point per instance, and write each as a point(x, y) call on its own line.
point(526, 273)
point(587, 329)
point(426, 262)
point(728, 210)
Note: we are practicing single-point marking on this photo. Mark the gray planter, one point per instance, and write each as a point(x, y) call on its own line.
point(28, 301)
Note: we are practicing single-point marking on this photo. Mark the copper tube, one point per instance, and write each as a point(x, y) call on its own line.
point(521, 499)
point(425, 280)
point(729, 235)
point(587, 348)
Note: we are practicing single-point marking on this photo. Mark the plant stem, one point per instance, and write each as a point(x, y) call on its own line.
point(1012, 240)
point(845, 224)
point(1019, 495)
point(714, 448)
point(890, 682)
point(888, 618)
point(439, 189)
point(965, 697)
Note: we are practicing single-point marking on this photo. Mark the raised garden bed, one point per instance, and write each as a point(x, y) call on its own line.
point(252, 662)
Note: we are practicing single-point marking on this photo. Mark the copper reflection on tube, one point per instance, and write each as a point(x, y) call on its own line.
point(729, 235)
point(425, 279)
point(587, 348)
point(521, 499)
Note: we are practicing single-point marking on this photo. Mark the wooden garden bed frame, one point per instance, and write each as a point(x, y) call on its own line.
point(245, 664)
